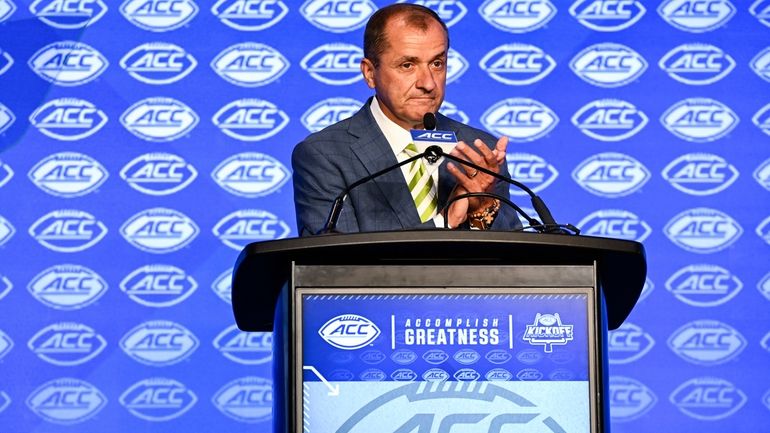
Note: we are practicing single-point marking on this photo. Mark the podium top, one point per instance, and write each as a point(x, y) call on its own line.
point(263, 268)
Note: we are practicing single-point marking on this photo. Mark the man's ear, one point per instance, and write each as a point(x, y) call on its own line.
point(367, 70)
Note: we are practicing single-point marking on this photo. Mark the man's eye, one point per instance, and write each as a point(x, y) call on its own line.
point(438, 64)
point(407, 65)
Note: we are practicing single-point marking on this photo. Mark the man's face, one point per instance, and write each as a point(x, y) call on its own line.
point(411, 76)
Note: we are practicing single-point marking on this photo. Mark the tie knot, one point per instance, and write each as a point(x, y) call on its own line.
point(410, 149)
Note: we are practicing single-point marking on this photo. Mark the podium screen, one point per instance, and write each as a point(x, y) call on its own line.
point(445, 362)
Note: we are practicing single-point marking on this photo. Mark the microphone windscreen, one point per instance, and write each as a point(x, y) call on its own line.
point(429, 121)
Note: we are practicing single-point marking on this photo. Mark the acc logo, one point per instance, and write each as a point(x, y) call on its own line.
point(466, 375)
point(6, 61)
point(67, 287)
point(336, 64)
point(68, 119)
point(704, 285)
point(498, 375)
point(68, 230)
point(435, 375)
point(159, 119)
point(158, 285)
point(763, 230)
point(517, 16)
point(159, 15)
point(696, 16)
point(248, 399)
point(697, 64)
point(250, 119)
point(159, 342)
point(250, 64)
point(6, 230)
point(529, 356)
point(699, 119)
point(403, 356)
point(450, 110)
point(628, 343)
point(609, 120)
point(7, 8)
point(222, 286)
point(5, 286)
point(248, 348)
point(349, 332)
point(706, 342)
point(403, 375)
point(68, 174)
point(158, 63)
point(521, 119)
point(708, 398)
point(158, 173)
point(68, 63)
point(615, 223)
point(6, 344)
point(456, 65)
point(700, 173)
point(629, 399)
point(607, 15)
point(703, 230)
point(435, 356)
point(450, 11)
point(532, 170)
point(372, 375)
point(467, 356)
point(611, 174)
point(158, 399)
point(328, 112)
point(68, 14)
point(372, 357)
point(608, 65)
point(250, 15)
point(159, 230)
point(547, 331)
point(67, 344)
point(240, 228)
point(760, 63)
point(761, 119)
point(66, 401)
point(338, 16)
point(517, 64)
point(758, 9)
point(761, 174)
point(533, 374)
point(6, 118)
point(498, 356)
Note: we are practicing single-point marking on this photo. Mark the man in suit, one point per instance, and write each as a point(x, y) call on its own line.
point(405, 53)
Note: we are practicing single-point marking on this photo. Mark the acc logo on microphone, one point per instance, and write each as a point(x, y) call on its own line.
point(68, 230)
point(450, 11)
point(338, 16)
point(67, 344)
point(68, 174)
point(699, 120)
point(628, 343)
point(615, 223)
point(6, 344)
point(706, 342)
point(697, 64)
point(328, 112)
point(158, 173)
point(159, 230)
point(250, 119)
point(7, 8)
point(611, 174)
point(761, 119)
point(760, 63)
point(159, 119)
point(696, 16)
point(760, 9)
point(703, 230)
point(608, 65)
point(66, 401)
point(456, 65)
point(700, 173)
point(531, 170)
point(68, 63)
point(248, 348)
point(761, 174)
point(158, 63)
point(521, 119)
point(349, 332)
point(451, 110)
point(159, 342)
point(250, 15)
point(245, 226)
point(250, 64)
point(704, 285)
point(6, 230)
point(158, 285)
point(68, 119)
point(67, 287)
point(222, 286)
point(708, 398)
point(517, 64)
point(609, 120)
point(158, 399)
point(251, 174)
point(248, 399)
point(517, 16)
point(68, 14)
point(6, 118)
point(629, 399)
point(607, 15)
point(6, 61)
point(159, 15)
point(336, 64)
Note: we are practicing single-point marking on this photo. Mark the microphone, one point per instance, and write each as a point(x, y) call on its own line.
point(429, 121)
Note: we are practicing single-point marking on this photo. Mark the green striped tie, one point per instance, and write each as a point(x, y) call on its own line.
point(421, 186)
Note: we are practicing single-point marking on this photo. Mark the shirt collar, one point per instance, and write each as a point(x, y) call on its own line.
point(397, 137)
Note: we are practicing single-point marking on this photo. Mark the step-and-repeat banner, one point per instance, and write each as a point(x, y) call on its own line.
point(145, 142)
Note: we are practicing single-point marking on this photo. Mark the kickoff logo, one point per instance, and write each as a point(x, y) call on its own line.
point(699, 120)
point(250, 64)
point(250, 15)
point(158, 174)
point(761, 175)
point(158, 63)
point(521, 119)
point(451, 110)
point(517, 64)
point(159, 119)
point(159, 230)
point(760, 9)
point(68, 119)
point(704, 285)
point(6, 344)
point(708, 398)
point(607, 15)
point(349, 332)
point(6, 118)
point(328, 112)
point(697, 64)
point(67, 344)
point(7, 8)
point(68, 230)
point(532, 170)
point(609, 120)
point(158, 285)
point(66, 401)
point(336, 64)
point(706, 342)
point(700, 174)
point(250, 119)
point(222, 286)
point(456, 65)
point(158, 399)
point(761, 119)
point(338, 16)
point(242, 227)
point(247, 348)
point(6, 61)
point(67, 287)
point(615, 223)
point(760, 64)
point(248, 399)
point(68, 14)
point(159, 15)
point(628, 344)
point(611, 174)
point(696, 16)
point(251, 174)
point(6, 230)
point(159, 343)
point(68, 63)
point(517, 16)
point(629, 399)
point(608, 65)
point(450, 11)
point(703, 230)
point(68, 174)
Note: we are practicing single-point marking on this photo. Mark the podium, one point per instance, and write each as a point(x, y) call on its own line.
point(438, 331)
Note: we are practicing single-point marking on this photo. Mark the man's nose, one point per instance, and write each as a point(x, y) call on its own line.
point(425, 79)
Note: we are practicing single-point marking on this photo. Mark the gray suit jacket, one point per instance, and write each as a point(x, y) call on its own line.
point(328, 161)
